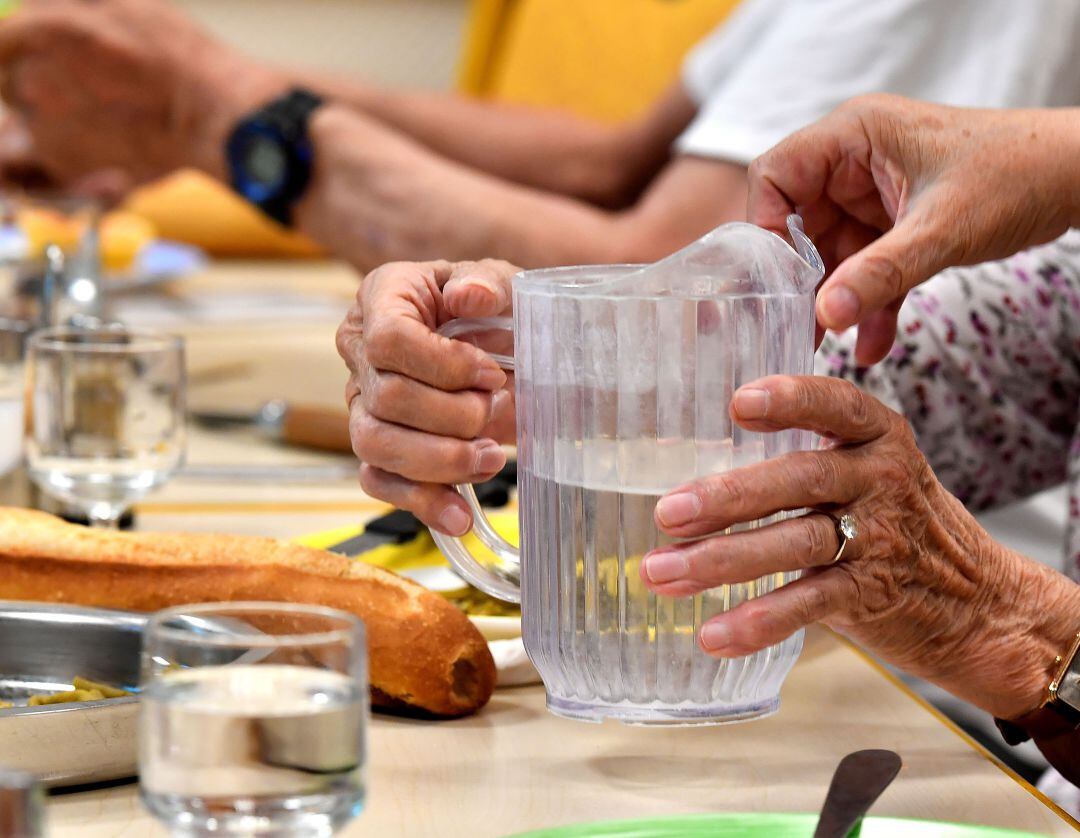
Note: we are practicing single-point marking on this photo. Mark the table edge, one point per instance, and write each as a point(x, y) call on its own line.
point(957, 730)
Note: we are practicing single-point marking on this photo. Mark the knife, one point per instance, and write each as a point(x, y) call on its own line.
point(400, 527)
point(859, 780)
point(306, 426)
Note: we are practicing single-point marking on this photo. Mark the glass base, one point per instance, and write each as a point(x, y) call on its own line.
point(316, 816)
point(662, 715)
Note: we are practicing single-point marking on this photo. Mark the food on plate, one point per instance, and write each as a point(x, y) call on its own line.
point(70, 697)
point(105, 690)
point(424, 654)
point(83, 689)
point(122, 234)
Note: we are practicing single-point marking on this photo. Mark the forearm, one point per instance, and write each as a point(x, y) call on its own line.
point(557, 152)
point(377, 196)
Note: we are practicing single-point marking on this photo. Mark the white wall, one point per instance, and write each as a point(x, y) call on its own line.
point(399, 42)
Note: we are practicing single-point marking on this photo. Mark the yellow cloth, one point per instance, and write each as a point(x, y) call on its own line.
point(607, 59)
point(419, 553)
point(192, 207)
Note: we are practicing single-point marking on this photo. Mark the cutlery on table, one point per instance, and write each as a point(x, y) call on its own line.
point(302, 425)
point(858, 782)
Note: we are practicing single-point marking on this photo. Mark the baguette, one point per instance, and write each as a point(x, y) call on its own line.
point(424, 654)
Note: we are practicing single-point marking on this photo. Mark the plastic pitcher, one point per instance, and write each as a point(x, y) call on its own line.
point(624, 377)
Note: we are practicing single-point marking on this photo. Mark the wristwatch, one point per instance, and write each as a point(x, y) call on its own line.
point(1059, 714)
point(270, 156)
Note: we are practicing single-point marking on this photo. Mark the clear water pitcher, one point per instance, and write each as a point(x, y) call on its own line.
point(624, 376)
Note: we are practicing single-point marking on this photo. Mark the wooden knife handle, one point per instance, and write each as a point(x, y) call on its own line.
point(323, 428)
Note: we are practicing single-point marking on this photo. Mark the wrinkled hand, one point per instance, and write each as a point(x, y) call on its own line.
point(922, 585)
point(894, 191)
point(119, 85)
point(425, 410)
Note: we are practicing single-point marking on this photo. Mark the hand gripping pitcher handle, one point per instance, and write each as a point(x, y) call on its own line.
point(501, 578)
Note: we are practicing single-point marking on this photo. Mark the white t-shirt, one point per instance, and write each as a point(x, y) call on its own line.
point(778, 65)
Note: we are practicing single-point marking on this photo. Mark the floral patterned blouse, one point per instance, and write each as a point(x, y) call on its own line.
point(986, 368)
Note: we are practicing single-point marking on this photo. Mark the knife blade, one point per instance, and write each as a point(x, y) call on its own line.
point(302, 425)
point(859, 780)
point(401, 527)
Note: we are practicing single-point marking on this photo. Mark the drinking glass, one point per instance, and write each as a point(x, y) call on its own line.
point(50, 258)
point(253, 719)
point(13, 334)
point(108, 416)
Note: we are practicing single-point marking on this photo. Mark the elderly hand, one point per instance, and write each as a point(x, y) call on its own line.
point(921, 585)
point(425, 410)
point(129, 85)
point(894, 191)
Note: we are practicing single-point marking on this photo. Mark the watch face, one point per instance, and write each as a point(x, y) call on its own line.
point(1069, 688)
point(266, 162)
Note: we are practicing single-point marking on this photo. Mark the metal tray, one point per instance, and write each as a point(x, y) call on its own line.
point(42, 648)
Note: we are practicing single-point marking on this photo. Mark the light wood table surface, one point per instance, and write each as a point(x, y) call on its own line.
point(515, 767)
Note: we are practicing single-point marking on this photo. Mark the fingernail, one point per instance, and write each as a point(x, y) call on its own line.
point(489, 458)
point(751, 403)
point(479, 293)
point(488, 378)
point(715, 636)
point(666, 566)
point(500, 398)
point(840, 307)
point(454, 520)
point(675, 510)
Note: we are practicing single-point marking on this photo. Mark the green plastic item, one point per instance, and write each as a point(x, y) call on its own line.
point(757, 825)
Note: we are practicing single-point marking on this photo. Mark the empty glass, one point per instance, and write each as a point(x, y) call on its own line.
point(107, 416)
point(253, 719)
point(624, 376)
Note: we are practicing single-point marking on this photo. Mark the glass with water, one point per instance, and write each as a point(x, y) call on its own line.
point(108, 411)
point(253, 719)
point(624, 376)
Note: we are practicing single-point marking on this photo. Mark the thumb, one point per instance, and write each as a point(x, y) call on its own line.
point(479, 289)
point(883, 272)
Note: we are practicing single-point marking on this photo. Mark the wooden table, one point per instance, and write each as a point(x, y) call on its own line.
point(514, 766)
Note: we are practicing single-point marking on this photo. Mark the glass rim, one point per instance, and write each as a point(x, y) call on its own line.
point(352, 630)
point(55, 339)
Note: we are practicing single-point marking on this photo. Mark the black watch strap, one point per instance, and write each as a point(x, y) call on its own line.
point(291, 112)
point(287, 117)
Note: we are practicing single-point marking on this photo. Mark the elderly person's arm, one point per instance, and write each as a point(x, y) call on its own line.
point(986, 369)
point(110, 86)
point(922, 585)
point(894, 191)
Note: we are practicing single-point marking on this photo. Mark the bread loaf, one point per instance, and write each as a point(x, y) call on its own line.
point(424, 654)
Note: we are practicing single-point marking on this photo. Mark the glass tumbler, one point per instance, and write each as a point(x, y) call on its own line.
point(108, 408)
point(13, 335)
point(253, 719)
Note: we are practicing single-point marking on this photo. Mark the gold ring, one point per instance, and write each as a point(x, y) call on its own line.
point(847, 529)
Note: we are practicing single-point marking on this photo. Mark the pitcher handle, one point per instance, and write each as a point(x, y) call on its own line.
point(502, 578)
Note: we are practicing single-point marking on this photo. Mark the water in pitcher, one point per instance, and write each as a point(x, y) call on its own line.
point(603, 643)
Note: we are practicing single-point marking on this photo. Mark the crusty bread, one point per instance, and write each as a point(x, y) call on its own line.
point(424, 654)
